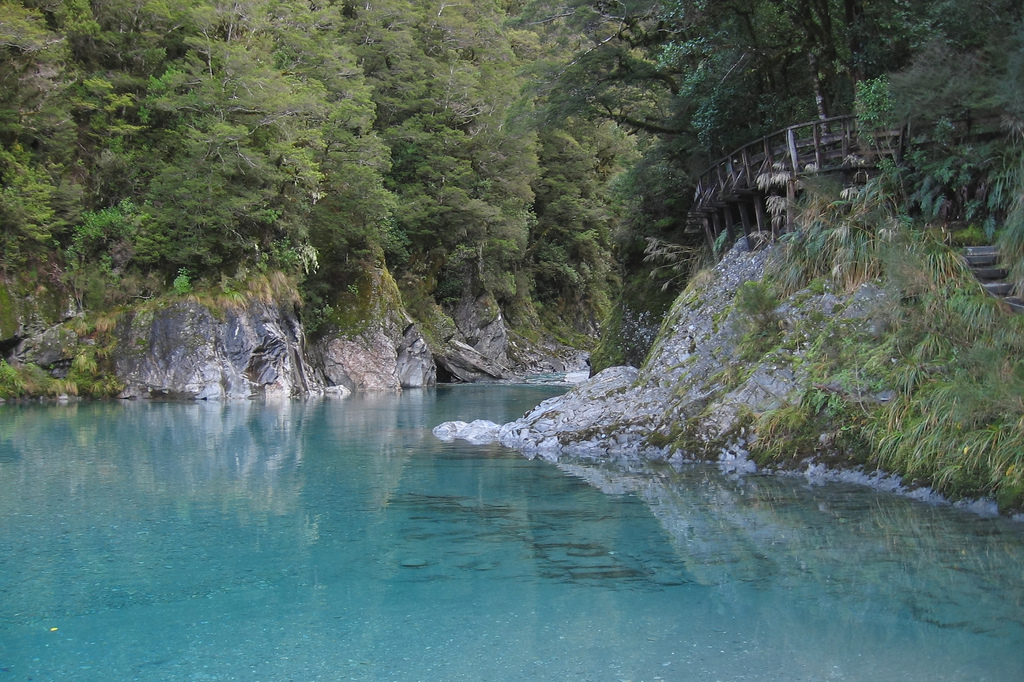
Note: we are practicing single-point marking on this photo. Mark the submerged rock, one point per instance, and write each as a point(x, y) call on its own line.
point(478, 432)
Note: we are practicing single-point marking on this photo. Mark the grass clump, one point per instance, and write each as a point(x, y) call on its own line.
point(936, 393)
point(12, 383)
point(756, 306)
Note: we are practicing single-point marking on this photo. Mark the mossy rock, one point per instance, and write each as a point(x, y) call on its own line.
point(374, 300)
point(8, 315)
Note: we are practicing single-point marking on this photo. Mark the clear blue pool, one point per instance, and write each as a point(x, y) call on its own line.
point(336, 540)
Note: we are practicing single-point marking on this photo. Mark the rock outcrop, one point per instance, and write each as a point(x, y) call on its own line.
point(377, 347)
point(696, 394)
point(187, 349)
point(184, 351)
point(376, 360)
point(482, 326)
point(26, 318)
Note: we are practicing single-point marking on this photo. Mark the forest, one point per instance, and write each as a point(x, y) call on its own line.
point(524, 149)
point(540, 155)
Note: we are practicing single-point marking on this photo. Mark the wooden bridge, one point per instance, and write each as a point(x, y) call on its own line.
point(738, 189)
point(763, 178)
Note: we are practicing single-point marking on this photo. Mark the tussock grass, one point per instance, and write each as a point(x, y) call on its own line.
point(235, 293)
point(841, 236)
point(12, 383)
point(1011, 238)
point(953, 356)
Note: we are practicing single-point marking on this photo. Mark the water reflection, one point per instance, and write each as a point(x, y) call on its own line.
point(104, 505)
point(194, 454)
point(848, 544)
point(340, 539)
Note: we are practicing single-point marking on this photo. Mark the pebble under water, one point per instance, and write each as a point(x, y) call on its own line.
point(338, 539)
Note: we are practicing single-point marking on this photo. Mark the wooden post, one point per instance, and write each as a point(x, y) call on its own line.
point(729, 227)
point(760, 214)
point(793, 156)
point(790, 204)
point(819, 162)
point(751, 181)
point(745, 220)
point(708, 234)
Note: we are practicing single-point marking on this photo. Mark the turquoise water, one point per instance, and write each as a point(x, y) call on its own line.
point(336, 540)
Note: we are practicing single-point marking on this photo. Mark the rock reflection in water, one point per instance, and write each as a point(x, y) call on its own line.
point(844, 543)
point(340, 539)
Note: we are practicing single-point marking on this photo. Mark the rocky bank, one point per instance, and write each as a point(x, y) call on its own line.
point(255, 346)
point(702, 384)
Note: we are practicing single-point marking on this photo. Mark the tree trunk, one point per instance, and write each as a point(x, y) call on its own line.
point(819, 96)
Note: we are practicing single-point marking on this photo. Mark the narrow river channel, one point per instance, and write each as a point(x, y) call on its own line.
point(338, 539)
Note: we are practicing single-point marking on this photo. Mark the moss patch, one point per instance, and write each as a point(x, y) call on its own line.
point(8, 314)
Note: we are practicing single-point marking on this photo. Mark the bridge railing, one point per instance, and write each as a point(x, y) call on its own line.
point(817, 146)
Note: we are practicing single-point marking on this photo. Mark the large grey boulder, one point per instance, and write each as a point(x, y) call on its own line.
point(53, 349)
point(414, 361)
point(378, 348)
point(367, 361)
point(476, 432)
point(24, 317)
point(186, 351)
point(482, 326)
point(376, 360)
point(462, 362)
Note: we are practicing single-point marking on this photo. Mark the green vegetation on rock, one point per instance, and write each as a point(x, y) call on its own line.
point(927, 385)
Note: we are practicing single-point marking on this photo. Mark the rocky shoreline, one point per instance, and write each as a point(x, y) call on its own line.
point(698, 394)
point(255, 346)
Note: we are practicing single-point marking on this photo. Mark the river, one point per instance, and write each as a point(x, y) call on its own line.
point(338, 539)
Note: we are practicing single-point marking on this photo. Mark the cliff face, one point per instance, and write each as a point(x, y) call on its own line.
point(205, 349)
point(184, 351)
point(704, 380)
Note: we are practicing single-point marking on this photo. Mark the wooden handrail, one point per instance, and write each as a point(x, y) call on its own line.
point(778, 133)
point(728, 188)
point(821, 145)
point(802, 147)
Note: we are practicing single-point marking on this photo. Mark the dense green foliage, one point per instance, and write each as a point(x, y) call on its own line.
point(695, 79)
point(152, 145)
point(475, 147)
point(946, 355)
point(701, 78)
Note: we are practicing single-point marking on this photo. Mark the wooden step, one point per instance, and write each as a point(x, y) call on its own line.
point(1016, 305)
point(981, 250)
point(986, 274)
point(983, 259)
point(999, 289)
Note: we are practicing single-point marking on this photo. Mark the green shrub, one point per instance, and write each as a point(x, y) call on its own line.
point(12, 384)
point(182, 285)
